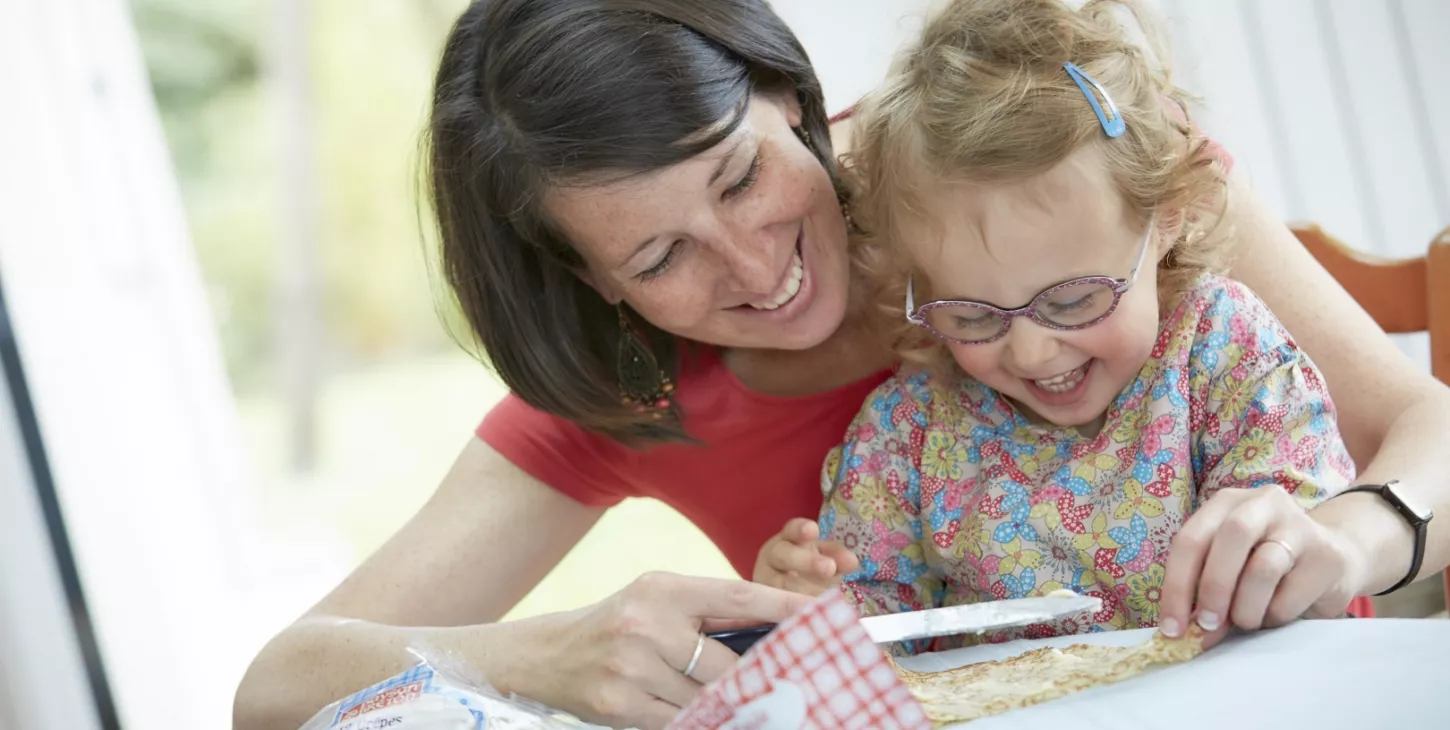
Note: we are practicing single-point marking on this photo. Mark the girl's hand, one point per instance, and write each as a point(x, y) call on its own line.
point(798, 560)
point(1252, 558)
point(621, 662)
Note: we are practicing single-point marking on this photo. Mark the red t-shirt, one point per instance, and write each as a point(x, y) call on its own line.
point(760, 464)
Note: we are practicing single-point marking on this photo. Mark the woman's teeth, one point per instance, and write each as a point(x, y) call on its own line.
point(792, 285)
point(1064, 382)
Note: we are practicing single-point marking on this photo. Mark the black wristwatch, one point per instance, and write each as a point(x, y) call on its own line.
point(1417, 516)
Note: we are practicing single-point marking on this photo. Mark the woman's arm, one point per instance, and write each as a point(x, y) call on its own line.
point(487, 536)
point(1394, 416)
point(1395, 421)
point(471, 553)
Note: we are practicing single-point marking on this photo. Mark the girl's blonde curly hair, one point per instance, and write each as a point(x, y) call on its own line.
point(983, 96)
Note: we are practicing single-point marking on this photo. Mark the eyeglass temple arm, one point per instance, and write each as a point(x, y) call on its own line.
point(911, 300)
point(1142, 252)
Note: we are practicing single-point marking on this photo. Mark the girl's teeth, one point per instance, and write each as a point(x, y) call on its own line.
point(792, 286)
point(1064, 382)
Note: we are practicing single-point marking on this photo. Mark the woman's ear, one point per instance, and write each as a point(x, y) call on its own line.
point(789, 105)
point(793, 113)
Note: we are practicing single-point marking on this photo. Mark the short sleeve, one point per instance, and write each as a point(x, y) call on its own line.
point(581, 464)
point(872, 483)
point(1266, 416)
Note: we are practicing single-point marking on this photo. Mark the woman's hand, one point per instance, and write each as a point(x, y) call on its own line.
point(622, 661)
point(798, 560)
point(1252, 558)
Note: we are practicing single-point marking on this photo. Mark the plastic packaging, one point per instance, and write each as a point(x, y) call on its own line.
point(439, 693)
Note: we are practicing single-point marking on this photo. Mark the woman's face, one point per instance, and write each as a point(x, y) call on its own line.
point(743, 246)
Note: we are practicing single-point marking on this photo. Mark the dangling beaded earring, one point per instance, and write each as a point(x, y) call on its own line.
point(851, 226)
point(642, 384)
point(805, 136)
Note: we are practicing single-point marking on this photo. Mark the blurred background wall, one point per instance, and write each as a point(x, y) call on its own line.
point(217, 267)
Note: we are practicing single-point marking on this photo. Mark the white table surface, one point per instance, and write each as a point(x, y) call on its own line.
point(1358, 674)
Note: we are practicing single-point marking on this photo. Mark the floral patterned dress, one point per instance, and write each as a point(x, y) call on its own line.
point(949, 495)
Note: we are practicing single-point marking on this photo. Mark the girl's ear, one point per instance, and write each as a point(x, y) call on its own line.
point(1170, 227)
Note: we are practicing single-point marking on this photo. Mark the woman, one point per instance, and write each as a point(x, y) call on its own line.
point(613, 177)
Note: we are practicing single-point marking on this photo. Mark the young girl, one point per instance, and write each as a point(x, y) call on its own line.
point(1045, 212)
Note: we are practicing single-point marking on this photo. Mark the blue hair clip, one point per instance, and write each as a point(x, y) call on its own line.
point(1112, 125)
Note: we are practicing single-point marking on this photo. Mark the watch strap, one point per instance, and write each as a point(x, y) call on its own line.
point(1417, 523)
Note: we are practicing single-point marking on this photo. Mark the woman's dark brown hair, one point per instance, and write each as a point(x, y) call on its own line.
point(538, 93)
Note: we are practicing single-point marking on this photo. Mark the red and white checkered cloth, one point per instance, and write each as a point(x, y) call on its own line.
point(817, 671)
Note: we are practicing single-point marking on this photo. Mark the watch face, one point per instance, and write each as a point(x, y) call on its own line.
point(1421, 511)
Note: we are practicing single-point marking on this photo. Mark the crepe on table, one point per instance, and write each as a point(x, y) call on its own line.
point(992, 688)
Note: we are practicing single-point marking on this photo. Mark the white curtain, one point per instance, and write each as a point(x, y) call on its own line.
point(42, 674)
point(121, 354)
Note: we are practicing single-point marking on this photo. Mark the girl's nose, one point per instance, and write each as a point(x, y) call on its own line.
point(1031, 346)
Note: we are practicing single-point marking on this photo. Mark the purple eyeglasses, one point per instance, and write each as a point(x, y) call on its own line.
point(1071, 305)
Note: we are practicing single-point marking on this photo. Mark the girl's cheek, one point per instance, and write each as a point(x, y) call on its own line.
point(1129, 337)
point(978, 361)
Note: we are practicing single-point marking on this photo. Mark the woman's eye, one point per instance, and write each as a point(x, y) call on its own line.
point(661, 267)
point(751, 175)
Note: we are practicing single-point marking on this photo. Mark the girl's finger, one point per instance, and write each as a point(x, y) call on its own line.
point(801, 531)
point(787, 557)
point(845, 560)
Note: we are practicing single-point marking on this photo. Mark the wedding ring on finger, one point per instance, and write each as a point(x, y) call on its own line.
point(1293, 557)
point(695, 658)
